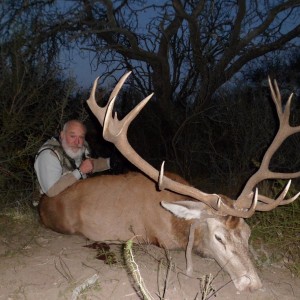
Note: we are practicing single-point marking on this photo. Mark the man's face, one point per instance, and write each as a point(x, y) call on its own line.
point(72, 139)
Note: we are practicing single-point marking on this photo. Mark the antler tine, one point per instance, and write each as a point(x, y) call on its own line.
point(161, 177)
point(115, 130)
point(276, 202)
point(270, 202)
point(247, 213)
point(283, 114)
point(287, 110)
point(276, 96)
point(290, 200)
point(119, 85)
point(98, 111)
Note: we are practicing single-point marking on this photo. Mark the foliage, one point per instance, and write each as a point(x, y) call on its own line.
point(183, 51)
point(276, 235)
point(34, 104)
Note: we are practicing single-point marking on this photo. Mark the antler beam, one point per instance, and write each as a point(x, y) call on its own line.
point(285, 130)
point(115, 131)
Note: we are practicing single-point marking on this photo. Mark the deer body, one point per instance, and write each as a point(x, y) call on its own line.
point(119, 207)
point(113, 207)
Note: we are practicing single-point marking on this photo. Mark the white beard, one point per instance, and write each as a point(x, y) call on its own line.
point(76, 155)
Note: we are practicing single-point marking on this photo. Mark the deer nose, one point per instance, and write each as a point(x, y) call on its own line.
point(247, 282)
point(255, 285)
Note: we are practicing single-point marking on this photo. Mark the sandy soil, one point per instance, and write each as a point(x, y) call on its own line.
point(36, 263)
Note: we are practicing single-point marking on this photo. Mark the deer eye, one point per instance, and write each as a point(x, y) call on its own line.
point(219, 239)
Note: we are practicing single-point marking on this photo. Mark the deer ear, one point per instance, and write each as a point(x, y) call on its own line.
point(185, 209)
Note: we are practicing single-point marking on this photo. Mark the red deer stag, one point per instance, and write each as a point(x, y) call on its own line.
point(117, 207)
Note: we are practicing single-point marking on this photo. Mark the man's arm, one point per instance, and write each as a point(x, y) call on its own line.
point(49, 173)
point(101, 164)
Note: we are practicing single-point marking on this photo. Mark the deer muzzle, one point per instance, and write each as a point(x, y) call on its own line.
point(247, 282)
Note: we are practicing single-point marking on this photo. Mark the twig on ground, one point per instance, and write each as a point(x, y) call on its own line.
point(64, 270)
point(87, 283)
point(163, 295)
point(134, 270)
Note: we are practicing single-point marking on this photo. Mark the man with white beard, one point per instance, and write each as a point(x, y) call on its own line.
point(59, 163)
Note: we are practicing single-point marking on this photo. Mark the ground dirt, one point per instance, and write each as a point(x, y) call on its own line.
point(36, 263)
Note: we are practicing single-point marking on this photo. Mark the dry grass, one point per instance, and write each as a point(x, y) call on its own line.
point(278, 233)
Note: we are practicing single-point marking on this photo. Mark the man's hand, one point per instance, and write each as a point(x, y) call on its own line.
point(87, 166)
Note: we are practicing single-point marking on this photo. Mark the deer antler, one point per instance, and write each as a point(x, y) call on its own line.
point(98, 111)
point(115, 131)
point(284, 131)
